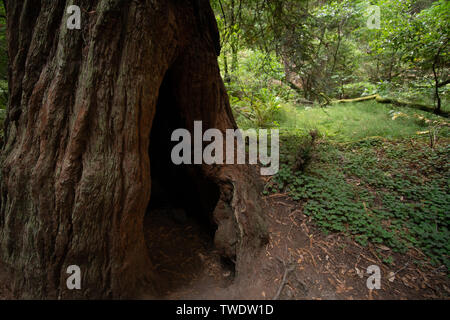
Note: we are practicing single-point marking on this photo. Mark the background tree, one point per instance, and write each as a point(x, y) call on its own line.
point(3, 69)
point(427, 45)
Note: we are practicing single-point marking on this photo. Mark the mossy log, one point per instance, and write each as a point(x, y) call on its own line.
point(383, 100)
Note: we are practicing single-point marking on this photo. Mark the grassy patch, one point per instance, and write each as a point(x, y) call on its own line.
point(350, 122)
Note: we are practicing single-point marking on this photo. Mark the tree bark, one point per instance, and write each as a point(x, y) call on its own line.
point(75, 168)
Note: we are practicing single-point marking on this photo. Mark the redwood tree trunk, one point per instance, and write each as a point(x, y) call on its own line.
point(75, 168)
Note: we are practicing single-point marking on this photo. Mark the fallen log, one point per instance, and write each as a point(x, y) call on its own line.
point(383, 100)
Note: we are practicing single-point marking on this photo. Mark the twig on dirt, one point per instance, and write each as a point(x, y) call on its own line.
point(401, 269)
point(293, 222)
point(287, 270)
point(375, 255)
point(442, 267)
point(312, 257)
point(326, 251)
point(368, 259)
point(290, 228)
point(277, 195)
point(358, 259)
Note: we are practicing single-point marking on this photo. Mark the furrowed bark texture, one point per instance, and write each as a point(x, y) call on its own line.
point(75, 168)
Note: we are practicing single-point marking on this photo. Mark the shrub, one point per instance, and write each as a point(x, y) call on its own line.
point(259, 109)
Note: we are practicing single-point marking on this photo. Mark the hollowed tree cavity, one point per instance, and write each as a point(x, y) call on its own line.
point(179, 223)
point(181, 187)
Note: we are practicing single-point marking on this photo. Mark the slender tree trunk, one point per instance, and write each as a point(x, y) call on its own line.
point(436, 88)
point(234, 39)
point(75, 168)
point(227, 71)
point(391, 65)
point(338, 45)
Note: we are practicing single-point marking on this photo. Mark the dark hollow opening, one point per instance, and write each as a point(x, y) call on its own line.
point(179, 226)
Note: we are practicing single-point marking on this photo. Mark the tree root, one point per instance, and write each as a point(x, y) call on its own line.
point(288, 268)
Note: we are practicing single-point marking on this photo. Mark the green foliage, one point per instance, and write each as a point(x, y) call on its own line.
point(415, 91)
point(412, 45)
point(358, 89)
point(306, 149)
point(326, 47)
point(257, 91)
point(373, 177)
point(321, 52)
point(258, 110)
point(374, 191)
point(426, 37)
point(3, 93)
point(2, 117)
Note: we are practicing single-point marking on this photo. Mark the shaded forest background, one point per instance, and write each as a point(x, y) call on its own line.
point(277, 52)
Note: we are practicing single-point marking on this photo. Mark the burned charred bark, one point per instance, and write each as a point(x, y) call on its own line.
point(75, 168)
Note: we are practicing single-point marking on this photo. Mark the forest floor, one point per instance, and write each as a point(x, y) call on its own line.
point(334, 266)
point(317, 266)
point(299, 262)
